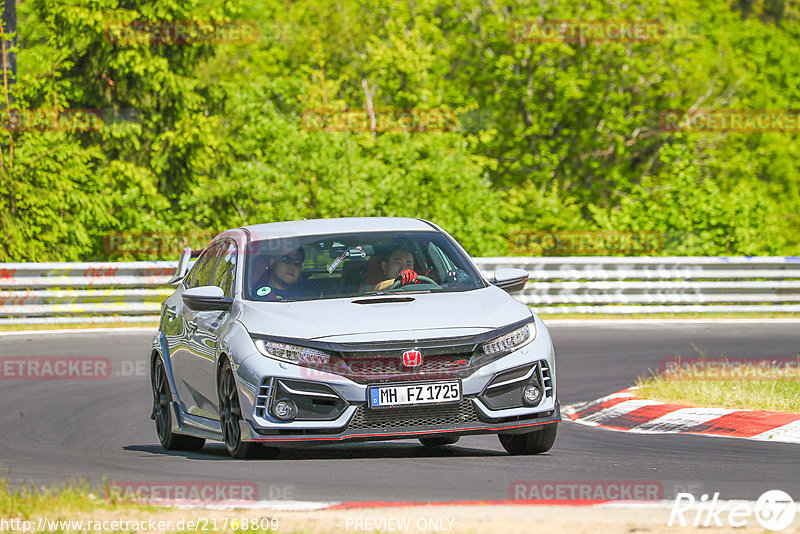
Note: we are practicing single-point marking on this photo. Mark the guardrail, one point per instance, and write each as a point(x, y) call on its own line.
point(125, 292)
point(44, 293)
point(625, 285)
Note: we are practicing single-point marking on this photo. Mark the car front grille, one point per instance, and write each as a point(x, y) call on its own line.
point(421, 417)
point(362, 368)
point(372, 362)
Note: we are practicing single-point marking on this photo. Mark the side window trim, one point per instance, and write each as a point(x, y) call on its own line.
point(227, 243)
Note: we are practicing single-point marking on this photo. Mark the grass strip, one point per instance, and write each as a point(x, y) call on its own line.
point(735, 386)
point(63, 508)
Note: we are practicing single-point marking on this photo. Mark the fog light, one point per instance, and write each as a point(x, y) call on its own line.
point(284, 409)
point(531, 394)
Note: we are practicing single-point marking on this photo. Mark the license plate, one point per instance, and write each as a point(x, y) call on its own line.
point(406, 394)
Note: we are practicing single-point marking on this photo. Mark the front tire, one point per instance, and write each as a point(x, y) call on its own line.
point(230, 414)
point(162, 414)
point(535, 442)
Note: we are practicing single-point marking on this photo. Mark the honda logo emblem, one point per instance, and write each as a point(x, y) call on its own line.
point(412, 358)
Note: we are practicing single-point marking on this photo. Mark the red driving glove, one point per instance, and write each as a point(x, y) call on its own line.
point(406, 277)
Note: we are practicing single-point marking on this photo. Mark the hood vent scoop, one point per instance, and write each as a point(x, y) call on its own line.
point(384, 300)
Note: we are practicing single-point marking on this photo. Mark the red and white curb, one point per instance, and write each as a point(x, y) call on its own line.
point(623, 411)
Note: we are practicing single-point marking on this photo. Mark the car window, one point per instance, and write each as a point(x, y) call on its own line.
point(204, 267)
point(352, 265)
point(226, 269)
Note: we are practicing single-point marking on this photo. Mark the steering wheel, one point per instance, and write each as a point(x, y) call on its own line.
point(423, 279)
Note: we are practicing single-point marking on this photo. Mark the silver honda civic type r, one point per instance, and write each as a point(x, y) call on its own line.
point(352, 329)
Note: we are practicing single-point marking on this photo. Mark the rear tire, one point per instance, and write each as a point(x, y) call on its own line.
point(162, 414)
point(230, 414)
point(535, 442)
point(439, 441)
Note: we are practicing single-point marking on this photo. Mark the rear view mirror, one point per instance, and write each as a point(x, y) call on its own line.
point(510, 280)
point(207, 298)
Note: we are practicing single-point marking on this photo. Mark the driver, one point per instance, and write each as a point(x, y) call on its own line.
point(281, 279)
point(398, 267)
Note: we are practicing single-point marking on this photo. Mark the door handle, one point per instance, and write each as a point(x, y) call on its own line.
point(171, 313)
point(192, 324)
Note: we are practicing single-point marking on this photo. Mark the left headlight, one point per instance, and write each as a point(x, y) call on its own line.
point(510, 341)
point(292, 353)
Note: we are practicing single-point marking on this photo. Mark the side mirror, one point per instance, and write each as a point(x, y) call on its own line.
point(510, 280)
point(207, 298)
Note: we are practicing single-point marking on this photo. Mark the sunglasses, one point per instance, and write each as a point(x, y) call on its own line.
point(291, 260)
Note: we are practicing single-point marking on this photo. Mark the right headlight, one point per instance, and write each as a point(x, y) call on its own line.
point(292, 353)
point(511, 341)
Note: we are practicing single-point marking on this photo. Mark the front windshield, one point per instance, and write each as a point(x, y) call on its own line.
point(355, 265)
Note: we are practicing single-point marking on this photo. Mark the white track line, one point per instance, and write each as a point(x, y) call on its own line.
point(788, 433)
point(285, 506)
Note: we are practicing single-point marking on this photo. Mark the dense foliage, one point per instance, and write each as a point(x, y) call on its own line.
point(546, 135)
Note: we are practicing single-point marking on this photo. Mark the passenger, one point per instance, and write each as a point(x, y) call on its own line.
point(281, 280)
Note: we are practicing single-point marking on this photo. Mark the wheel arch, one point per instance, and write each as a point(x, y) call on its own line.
point(160, 351)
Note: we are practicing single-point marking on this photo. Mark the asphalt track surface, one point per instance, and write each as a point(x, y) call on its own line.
point(52, 431)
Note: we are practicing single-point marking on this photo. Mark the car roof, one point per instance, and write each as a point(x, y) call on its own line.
point(336, 226)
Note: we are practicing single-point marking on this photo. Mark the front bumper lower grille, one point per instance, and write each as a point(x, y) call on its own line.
point(427, 417)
